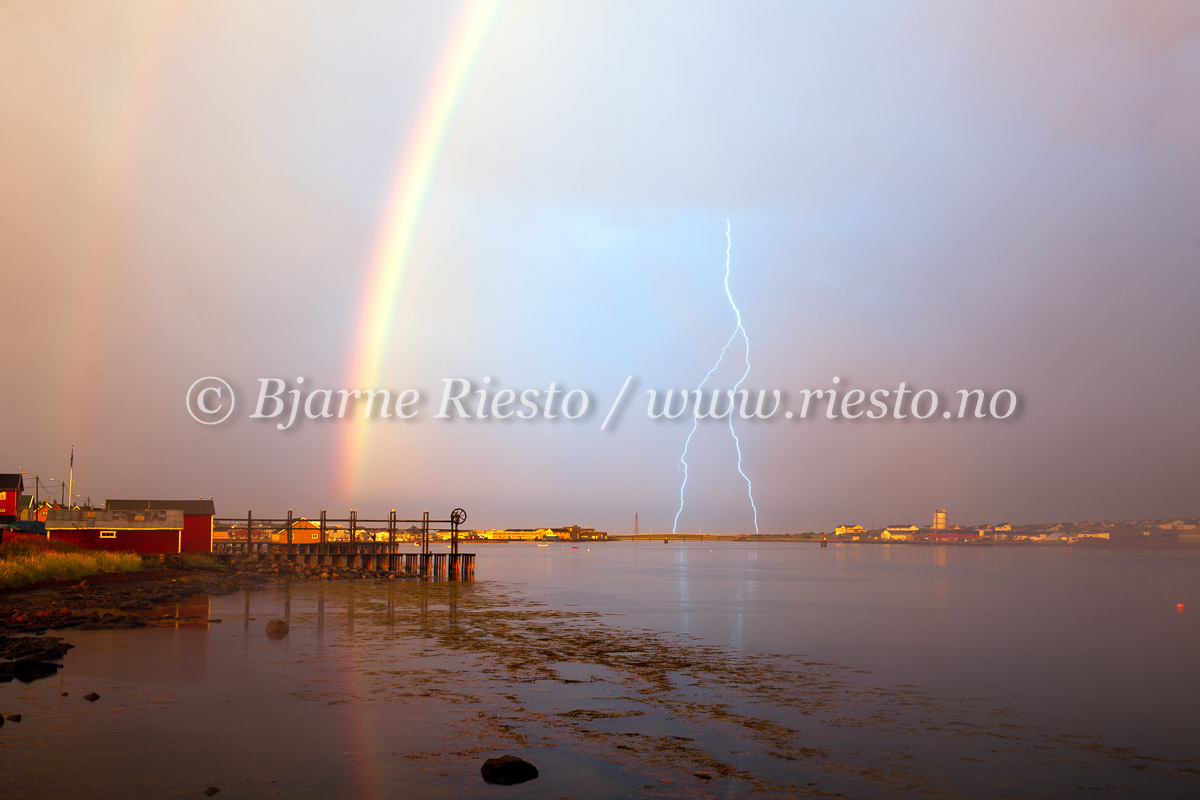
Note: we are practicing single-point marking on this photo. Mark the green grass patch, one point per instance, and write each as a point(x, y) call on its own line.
point(24, 546)
point(198, 561)
point(28, 560)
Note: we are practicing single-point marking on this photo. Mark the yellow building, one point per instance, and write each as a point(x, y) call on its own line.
point(518, 535)
point(899, 533)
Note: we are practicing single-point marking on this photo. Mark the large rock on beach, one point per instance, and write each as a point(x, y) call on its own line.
point(37, 648)
point(508, 770)
point(30, 671)
point(277, 628)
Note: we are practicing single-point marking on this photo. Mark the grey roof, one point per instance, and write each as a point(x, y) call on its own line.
point(75, 519)
point(189, 507)
point(10, 480)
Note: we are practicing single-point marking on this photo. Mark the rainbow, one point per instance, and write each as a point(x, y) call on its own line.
point(410, 186)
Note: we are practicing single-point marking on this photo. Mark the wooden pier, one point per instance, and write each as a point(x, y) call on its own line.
point(374, 545)
point(375, 557)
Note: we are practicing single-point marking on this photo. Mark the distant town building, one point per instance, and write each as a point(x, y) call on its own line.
point(573, 533)
point(939, 519)
point(956, 535)
point(35, 512)
point(899, 533)
point(579, 534)
point(12, 486)
point(516, 534)
point(304, 531)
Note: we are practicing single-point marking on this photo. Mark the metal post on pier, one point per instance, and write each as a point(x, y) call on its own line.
point(425, 532)
point(321, 548)
point(354, 550)
point(249, 531)
point(289, 530)
point(454, 563)
point(457, 517)
point(391, 559)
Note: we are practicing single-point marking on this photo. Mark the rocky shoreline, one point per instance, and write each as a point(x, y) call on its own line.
point(122, 601)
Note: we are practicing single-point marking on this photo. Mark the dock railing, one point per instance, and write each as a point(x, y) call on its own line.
point(378, 545)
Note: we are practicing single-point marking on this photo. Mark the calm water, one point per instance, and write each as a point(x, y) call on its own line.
point(644, 669)
point(1084, 637)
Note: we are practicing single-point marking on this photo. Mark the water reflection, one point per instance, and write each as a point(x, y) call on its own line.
point(373, 673)
point(683, 597)
point(347, 604)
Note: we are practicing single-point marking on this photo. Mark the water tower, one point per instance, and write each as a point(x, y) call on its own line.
point(939, 519)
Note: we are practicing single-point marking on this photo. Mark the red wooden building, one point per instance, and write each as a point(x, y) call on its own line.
point(132, 531)
point(197, 519)
point(11, 488)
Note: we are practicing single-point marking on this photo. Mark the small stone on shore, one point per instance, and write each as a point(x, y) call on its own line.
point(91, 697)
point(210, 791)
point(13, 717)
point(277, 628)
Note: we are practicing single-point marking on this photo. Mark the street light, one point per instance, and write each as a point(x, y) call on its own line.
point(20, 495)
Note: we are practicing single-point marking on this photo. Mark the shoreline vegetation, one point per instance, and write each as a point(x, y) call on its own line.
point(30, 560)
point(26, 561)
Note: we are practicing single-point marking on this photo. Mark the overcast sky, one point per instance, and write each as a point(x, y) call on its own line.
point(952, 194)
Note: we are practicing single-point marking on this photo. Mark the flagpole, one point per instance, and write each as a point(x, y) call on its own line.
point(71, 480)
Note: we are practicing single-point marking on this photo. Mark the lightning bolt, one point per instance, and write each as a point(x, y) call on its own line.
point(738, 330)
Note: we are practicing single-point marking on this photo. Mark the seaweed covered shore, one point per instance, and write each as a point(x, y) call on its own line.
point(123, 600)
